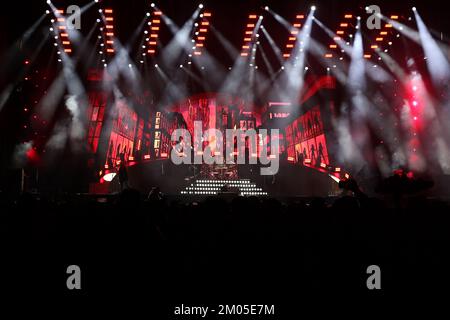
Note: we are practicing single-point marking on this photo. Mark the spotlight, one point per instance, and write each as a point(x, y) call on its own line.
point(152, 5)
point(100, 10)
point(98, 20)
point(328, 69)
point(148, 14)
point(105, 65)
point(414, 9)
point(51, 29)
point(48, 2)
point(129, 65)
point(266, 8)
point(261, 17)
point(47, 11)
point(358, 17)
point(313, 8)
point(156, 65)
point(200, 6)
point(181, 66)
point(96, 1)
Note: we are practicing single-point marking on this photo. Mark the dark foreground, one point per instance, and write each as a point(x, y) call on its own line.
point(244, 251)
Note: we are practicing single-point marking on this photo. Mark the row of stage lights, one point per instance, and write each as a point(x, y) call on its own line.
point(250, 34)
point(154, 28)
point(60, 31)
point(213, 187)
point(201, 30)
point(211, 192)
point(292, 40)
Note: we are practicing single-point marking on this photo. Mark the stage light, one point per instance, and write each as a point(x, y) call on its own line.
point(152, 5)
point(313, 8)
point(109, 176)
point(266, 8)
point(200, 6)
point(414, 9)
point(47, 11)
point(51, 29)
point(156, 65)
point(48, 2)
point(148, 14)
